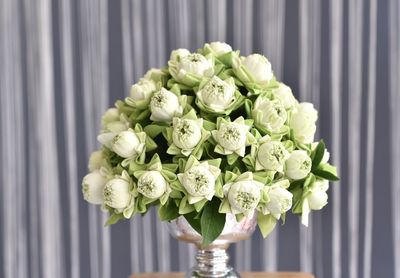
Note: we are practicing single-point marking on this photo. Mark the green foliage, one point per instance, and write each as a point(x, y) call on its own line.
point(194, 221)
point(212, 222)
point(266, 223)
point(168, 212)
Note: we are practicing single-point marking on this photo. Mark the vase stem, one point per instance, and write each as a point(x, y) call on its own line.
point(212, 263)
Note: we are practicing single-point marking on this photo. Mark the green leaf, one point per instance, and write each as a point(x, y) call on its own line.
point(212, 222)
point(318, 154)
point(175, 194)
point(150, 144)
point(266, 223)
point(264, 177)
point(248, 106)
point(208, 125)
point(294, 185)
point(249, 162)
point(231, 158)
point(170, 167)
point(309, 180)
point(168, 175)
point(168, 212)
point(199, 205)
point(229, 176)
point(297, 206)
point(283, 218)
point(215, 162)
point(194, 221)
point(185, 207)
point(114, 218)
point(326, 171)
point(296, 188)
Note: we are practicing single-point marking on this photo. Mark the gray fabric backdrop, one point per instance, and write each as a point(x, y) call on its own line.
point(64, 62)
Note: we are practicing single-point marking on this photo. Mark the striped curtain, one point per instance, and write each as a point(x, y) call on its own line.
point(62, 63)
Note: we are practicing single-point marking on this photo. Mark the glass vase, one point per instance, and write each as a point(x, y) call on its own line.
point(212, 261)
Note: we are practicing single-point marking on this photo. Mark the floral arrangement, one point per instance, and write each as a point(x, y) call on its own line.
point(212, 133)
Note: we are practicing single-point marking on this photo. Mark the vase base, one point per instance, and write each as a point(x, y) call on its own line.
point(229, 273)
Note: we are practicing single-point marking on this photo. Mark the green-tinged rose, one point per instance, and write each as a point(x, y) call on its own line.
point(271, 155)
point(143, 90)
point(117, 193)
point(92, 187)
point(127, 144)
point(154, 74)
point(96, 160)
point(195, 64)
point(199, 181)
point(315, 198)
point(254, 68)
point(280, 199)
point(217, 95)
point(186, 133)
point(152, 184)
point(259, 66)
point(244, 196)
point(318, 197)
point(219, 48)
point(269, 114)
point(302, 122)
point(285, 95)
point(179, 54)
point(298, 165)
point(164, 105)
point(115, 127)
point(111, 115)
point(114, 122)
point(190, 69)
point(232, 136)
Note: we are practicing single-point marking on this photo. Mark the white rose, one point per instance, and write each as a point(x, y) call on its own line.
point(180, 52)
point(186, 134)
point(113, 122)
point(303, 121)
point(271, 155)
point(318, 197)
point(96, 160)
point(126, 144)
point(270, 114)
point(111, 115)
point(151, 72)
point(92, 187)
point(232, 136)
point(195, 64)
point(164, 105)
point(116, 127)
point(152, 185)
point(285, 95)
point(217, 94)
point(117, 193)
point(298, 165)
point(280, 199)
point(199, 181)
point(259, 67)
point(244, 196)
point(143, 90)
point(220, 48)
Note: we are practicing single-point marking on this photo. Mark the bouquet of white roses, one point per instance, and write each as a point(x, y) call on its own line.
point(212, 133)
